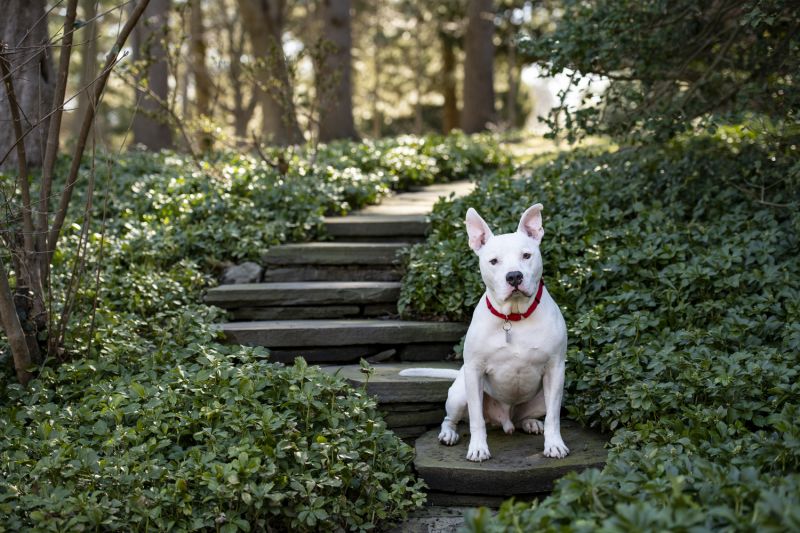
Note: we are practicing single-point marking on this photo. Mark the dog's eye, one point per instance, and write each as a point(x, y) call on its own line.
point(492, 261)
point(526, 256)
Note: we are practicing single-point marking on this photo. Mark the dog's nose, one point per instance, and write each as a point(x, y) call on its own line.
point(514, 278)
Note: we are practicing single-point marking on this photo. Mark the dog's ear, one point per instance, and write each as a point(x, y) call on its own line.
point(477, 230)
point(531, 223)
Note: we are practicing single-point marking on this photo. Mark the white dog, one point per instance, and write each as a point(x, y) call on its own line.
point(515, 349)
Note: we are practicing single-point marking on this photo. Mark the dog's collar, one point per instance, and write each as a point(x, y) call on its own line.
point(516, 317)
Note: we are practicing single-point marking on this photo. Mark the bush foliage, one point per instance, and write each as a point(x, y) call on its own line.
point(681, 294)
point(670, 66)
point(150, 423)
point(238, 205)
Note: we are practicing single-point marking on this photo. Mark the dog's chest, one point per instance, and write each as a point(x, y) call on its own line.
point(513, 369)
point(519, 343)
point(514, 376)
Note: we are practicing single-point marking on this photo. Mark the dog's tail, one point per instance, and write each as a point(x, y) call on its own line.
point(446, 373)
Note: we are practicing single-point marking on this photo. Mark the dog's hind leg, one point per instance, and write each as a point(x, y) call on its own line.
point(529, 414)
point(497, 413)
point(456, 409)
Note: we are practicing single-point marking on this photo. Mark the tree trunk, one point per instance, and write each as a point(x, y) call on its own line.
point(243, 108)
point(87, 36)
point(478, 110)
point(419, 74)
point(151, 124)
point(450, 111)
point(513, 86)
point(377, 118)
point(334, 73)
point(23, 28)
point(203, 85)
point(263, 22)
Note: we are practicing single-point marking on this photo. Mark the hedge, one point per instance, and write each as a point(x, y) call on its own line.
point(676, 267)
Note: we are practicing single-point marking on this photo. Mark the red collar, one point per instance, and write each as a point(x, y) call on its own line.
point(515, 317)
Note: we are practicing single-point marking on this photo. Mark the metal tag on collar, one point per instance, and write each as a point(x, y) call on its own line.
point(507, 329)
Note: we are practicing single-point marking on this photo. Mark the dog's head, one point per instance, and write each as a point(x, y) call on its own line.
point(511, 264)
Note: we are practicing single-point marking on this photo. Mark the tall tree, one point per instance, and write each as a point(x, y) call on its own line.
point(419, 69)
point(449, 15)
point(478, 110)
point(375, 93)
point(151, 125)
point(88, 36)
point(448, 79)
point(513, 84)
point(334, 72)
point(23, 30)
point(241, 107)
point(263, 21)
point(203, 85)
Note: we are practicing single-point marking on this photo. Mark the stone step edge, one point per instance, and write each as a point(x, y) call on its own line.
point(390, 387)
point(303, 293)
point(334, 253)
point(517, 466)
point(340, 332)
point(376, 226)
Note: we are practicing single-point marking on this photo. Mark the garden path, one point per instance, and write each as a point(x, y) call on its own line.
point(334, 302)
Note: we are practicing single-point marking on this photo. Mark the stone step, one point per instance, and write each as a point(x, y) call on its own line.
point(333, 253)
point(333, 261)
point(434, 519)
point(347, 340)
point(517, 466)
point(390, 387)
point(325, 333)
point(309, 312)
point(375, 228)
point(410, 405)
point(278, 273)
point(307, 293)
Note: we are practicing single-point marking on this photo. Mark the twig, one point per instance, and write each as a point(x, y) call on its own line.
point(53, 133)
point(22, 162)
point(86, 125)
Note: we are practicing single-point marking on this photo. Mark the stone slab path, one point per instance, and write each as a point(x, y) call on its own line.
point(417, 202)
point(390, 387)
point(517, 466)
point(335, 302)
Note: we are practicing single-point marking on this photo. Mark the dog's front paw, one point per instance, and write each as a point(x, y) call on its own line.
point(556, 449)
point(533, 426)
point(448, 436)
point(508, 427)
point(478, 451)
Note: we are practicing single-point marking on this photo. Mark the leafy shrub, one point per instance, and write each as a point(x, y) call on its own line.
point(681, 294)
point(201, 436)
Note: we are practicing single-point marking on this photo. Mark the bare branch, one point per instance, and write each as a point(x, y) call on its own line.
point(86, 126)
point(13, 329)
point(22, 161)
point(53, 134)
